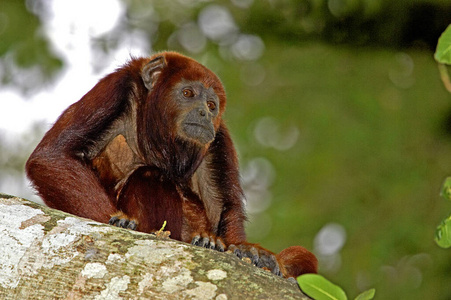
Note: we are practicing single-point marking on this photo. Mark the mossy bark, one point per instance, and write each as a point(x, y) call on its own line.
point(48, 254)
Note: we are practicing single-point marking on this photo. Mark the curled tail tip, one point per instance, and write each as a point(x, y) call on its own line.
point(296, 260)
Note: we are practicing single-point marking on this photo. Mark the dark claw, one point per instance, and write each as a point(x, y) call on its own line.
point(270, 262)
point(113, 221)
point(220, 246)
point(210, 243)
point(254, 256)
point(201, 242)
point(132, 225)
point(195, 240)
point(204, 242)
point(236, 251)
point(276, 270)
point(123, 223)
point(258, 257)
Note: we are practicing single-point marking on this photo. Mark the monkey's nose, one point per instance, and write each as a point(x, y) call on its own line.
point(202, 112)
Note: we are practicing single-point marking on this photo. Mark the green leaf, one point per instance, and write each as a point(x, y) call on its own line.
point(367, 295)
point(446, 189)
point(443, 234)
point(319, 288)
point(443, 52)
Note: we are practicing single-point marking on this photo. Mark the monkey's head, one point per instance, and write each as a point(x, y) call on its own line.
point(182, 111)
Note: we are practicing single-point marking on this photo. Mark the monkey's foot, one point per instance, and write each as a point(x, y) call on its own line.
point(258, 256)
point(123, 221)
point(208, 241)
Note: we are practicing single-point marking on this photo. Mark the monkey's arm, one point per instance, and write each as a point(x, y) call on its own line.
point(66, 184)
point(292, 261)
point(223, 169)
point(60, 166)
point(198, 227)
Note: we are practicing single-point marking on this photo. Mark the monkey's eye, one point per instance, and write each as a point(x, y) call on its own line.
point(211, 105)
point(188, 93)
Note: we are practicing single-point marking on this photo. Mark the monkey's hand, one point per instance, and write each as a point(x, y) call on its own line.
point(209, 241)
point(121, 220)
point(258, 256)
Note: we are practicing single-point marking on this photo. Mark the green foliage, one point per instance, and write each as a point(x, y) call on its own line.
point(443, 232)
point(319, 288)
point(446, 189)
point(443, 57)
point(443, 52)
point(367, 295)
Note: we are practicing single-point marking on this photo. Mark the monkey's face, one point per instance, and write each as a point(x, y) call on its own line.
point(183, 105)
point(179, 113)
point(199, 107)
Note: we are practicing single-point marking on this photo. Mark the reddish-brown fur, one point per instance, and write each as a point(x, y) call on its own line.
point(117, 152)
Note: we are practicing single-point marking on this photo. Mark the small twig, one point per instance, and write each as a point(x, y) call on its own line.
point(162, 228)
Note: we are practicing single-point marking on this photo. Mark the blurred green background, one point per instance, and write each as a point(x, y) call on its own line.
point(336, 107)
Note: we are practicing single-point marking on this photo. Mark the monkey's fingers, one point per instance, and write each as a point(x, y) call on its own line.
point(203, 242)
point(209, 242)
point(123, 221)
point(220, 246)
point(259, 256)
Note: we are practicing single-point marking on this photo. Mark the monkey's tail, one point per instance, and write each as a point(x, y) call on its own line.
point(296, 260)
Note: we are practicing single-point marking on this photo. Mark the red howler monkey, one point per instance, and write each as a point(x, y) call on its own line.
point(148, 144)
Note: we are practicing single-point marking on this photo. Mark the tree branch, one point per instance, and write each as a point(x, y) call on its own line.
point(48, 254)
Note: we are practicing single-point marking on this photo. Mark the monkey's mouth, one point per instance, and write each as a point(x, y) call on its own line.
point(202, 133)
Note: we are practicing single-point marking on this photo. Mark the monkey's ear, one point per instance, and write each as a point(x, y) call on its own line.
point(152, 70)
